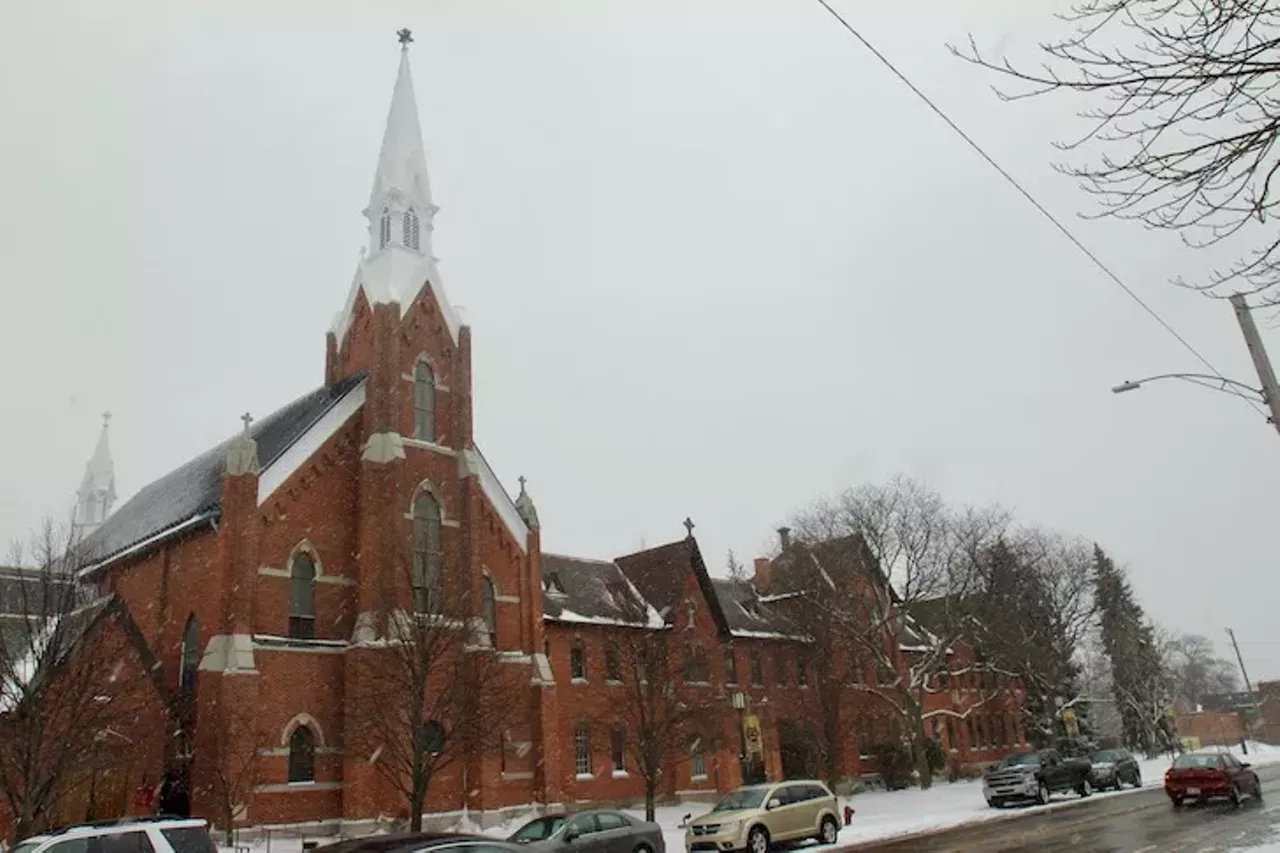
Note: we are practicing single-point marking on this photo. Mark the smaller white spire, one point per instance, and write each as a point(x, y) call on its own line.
point(97, 491)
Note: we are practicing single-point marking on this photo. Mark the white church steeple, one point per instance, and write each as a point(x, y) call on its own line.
point(400, 210)
point(398, 262)
point(98, 487)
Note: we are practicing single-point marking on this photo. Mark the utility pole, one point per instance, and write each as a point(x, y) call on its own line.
point(1261, 363)
point(1257, 712)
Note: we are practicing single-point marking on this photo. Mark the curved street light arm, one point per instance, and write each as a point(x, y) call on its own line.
point(1206, 380)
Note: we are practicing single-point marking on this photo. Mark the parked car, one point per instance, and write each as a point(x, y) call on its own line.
point(753, 817)
point(1204, 775)
point(1113, 768)
point(413, 842)
point(1036, 776)
point(129, 835)
point(590, 832)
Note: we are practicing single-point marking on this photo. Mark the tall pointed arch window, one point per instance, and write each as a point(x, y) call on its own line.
point(490, 605)
point(384, 229)
point(302, 597)
point(302, 755)
point(424, 402)
point(411, 229)
point(428, 555)
point(190, 657)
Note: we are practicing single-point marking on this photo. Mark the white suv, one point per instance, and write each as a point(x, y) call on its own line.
point(129, 835)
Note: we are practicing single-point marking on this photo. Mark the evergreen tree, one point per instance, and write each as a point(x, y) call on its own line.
point(1139, 678)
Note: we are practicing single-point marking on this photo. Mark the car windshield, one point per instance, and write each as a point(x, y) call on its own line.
point(539, 830)
point(743, 798)
point(1104, 756)
point(1196, 762)
point(1026, 759)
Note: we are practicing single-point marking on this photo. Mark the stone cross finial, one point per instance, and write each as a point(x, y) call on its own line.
point(522, 482)
point(248, 419)
point(406, 38)
point(106, 418)
point(688, 525)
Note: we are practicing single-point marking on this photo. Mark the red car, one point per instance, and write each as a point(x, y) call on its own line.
point(1201, 775)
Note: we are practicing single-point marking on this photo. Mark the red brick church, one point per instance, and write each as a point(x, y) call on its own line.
point(253, 573)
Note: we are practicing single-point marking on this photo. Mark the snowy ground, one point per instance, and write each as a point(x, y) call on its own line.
point(877, 814)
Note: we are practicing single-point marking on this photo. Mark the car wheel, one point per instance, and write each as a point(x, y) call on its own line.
point(1257, 788)
point(642, 848)
point(1042, 794)
point(1235, 795)
point(1137, 778)
point(1177, 802)
point(758, 840)
point(1085, 789)
point(829, 831)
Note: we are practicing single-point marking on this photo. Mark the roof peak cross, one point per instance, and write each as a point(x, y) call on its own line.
point(106, 419)
point(248, 419)
point(688, 526)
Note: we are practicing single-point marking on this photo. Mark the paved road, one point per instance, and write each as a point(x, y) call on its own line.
point(1141, 822)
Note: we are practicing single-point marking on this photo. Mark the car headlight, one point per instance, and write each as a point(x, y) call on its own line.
point(731, 827)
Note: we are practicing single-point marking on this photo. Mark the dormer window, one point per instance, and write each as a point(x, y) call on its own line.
point(411, 229)
point(384, 231)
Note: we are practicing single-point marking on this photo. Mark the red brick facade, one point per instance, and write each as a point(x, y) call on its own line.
point(348, 505)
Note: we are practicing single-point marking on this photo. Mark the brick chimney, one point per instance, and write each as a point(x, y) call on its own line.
point(764, 575)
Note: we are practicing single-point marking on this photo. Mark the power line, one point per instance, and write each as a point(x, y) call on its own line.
point(1012, 181)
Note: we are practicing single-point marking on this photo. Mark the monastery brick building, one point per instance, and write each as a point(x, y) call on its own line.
point(253, 572)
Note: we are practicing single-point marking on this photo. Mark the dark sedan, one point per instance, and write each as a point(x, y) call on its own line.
point(1113, 768)
point(590, 832)
point(439, 842)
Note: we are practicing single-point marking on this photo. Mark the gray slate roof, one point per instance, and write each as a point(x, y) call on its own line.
point(194, 490)
point(747, 615)
point(580, 590)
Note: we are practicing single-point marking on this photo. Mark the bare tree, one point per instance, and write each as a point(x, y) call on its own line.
point(65, 702)
point(905, 553)
point(1196, 669)
point(1183, 108)
point(430, 690)
point(656, 715)
point(234, 761)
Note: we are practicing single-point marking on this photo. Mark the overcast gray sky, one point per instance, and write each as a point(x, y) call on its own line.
point(717, 262)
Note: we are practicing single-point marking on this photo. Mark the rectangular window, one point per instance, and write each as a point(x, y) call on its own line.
point(757, 669)
point(424, 403)
point(612, 665)
point(780, 671)
point(577, 661)
point(802, 671)
point(973, 739)
point(192, 839)
point(730, 666)
point(618, 748)
point(582, 749)
point(951, 734)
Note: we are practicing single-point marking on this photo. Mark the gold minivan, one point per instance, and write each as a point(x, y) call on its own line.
point(753, 817)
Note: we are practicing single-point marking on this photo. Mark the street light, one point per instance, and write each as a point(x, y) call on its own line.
point(1204, 380)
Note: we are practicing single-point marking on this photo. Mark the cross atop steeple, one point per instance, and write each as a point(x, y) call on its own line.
point(106, 418)
point(248, 419)
point(522, 482)
point(688, 526)
point(406, 38)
